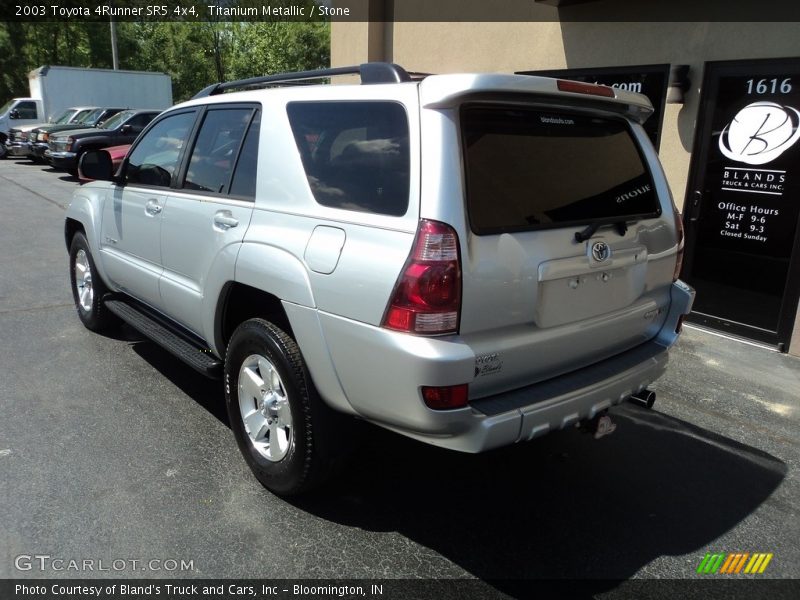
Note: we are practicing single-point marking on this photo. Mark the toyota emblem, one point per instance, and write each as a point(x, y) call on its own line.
point(600, 251)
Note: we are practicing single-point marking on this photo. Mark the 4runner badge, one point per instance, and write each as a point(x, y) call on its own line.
point(601, 251)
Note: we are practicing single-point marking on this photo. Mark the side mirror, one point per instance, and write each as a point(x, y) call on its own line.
point(96, 164)
point(126, 129)
point(14, 114)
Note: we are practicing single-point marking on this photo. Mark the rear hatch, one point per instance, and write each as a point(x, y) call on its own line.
point(565, 245)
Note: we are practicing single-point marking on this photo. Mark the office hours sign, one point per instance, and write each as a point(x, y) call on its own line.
point(759, 161)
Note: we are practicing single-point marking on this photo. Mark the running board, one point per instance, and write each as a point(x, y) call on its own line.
point(158, 330)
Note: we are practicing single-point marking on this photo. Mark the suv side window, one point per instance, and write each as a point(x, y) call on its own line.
point(356, 154)
point(155, 157)
point(214, 154)
point(244, 174)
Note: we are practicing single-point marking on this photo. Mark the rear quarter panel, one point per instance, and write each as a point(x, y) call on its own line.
point(286, 214)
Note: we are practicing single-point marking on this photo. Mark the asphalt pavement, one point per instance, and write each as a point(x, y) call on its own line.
point(112, 450)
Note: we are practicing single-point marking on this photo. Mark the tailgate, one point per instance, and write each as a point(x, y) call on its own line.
point(539, 300)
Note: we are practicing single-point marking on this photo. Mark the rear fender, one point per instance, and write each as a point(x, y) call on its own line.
point(275, 271)
point(283, 275)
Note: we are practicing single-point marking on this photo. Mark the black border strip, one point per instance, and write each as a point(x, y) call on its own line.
point(707, 587)
point(404, 10)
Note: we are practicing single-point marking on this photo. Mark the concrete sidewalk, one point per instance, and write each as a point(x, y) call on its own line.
point(732, 387)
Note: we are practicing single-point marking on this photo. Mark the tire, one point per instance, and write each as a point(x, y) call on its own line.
point(87, 287)
point(73, 171)
point(288, 440)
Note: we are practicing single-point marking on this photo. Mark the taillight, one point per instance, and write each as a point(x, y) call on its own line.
point(445, 397)
point(426, 299)
point(579, 87)
point(679, 256)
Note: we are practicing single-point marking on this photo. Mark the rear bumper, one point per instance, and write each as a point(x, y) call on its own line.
point(381, 372)
point(563, 401)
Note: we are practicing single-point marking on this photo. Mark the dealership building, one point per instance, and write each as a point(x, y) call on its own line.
point(726, 91)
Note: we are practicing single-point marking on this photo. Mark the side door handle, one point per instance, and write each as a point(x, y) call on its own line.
point(224, 219)
point(152, 207)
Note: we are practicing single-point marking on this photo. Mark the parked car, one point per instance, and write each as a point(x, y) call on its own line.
point(54, 88)
point(40, 136)
point(468, 260)
point(116, 154)
point(18, 144)
point(66, 147)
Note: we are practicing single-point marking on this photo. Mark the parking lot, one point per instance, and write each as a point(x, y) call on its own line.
point(111, 449)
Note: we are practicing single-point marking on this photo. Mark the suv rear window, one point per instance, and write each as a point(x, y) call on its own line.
point(531, 169)
point(355, 154)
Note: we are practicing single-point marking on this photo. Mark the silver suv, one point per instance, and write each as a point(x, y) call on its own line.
point(470, 260)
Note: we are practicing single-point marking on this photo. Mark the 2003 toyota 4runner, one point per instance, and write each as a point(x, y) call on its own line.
point(470, 260)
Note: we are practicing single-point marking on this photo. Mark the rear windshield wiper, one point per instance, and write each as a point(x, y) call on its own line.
point(591, 229)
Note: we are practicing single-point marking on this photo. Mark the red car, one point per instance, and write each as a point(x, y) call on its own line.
point(117, 153)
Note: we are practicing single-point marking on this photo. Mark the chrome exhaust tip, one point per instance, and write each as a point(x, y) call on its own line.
point(645, 398)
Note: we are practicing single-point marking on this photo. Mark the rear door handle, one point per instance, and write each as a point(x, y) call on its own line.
point(152, 208)
point(224, 219)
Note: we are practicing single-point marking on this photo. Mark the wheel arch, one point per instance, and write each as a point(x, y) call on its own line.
point(263, 278)
point(71, 227)
point(239, 302)
point(83, 215)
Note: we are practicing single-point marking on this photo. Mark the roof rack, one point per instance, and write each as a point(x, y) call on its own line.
point(372, 72)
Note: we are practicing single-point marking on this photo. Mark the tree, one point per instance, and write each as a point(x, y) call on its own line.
point(266, 48)
point(193, 54)
point(13, 67)
point(178, 49)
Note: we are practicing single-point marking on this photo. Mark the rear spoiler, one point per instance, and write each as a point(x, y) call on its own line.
point(447, 91)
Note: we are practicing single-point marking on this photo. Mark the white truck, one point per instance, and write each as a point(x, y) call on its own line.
point(54, 89)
